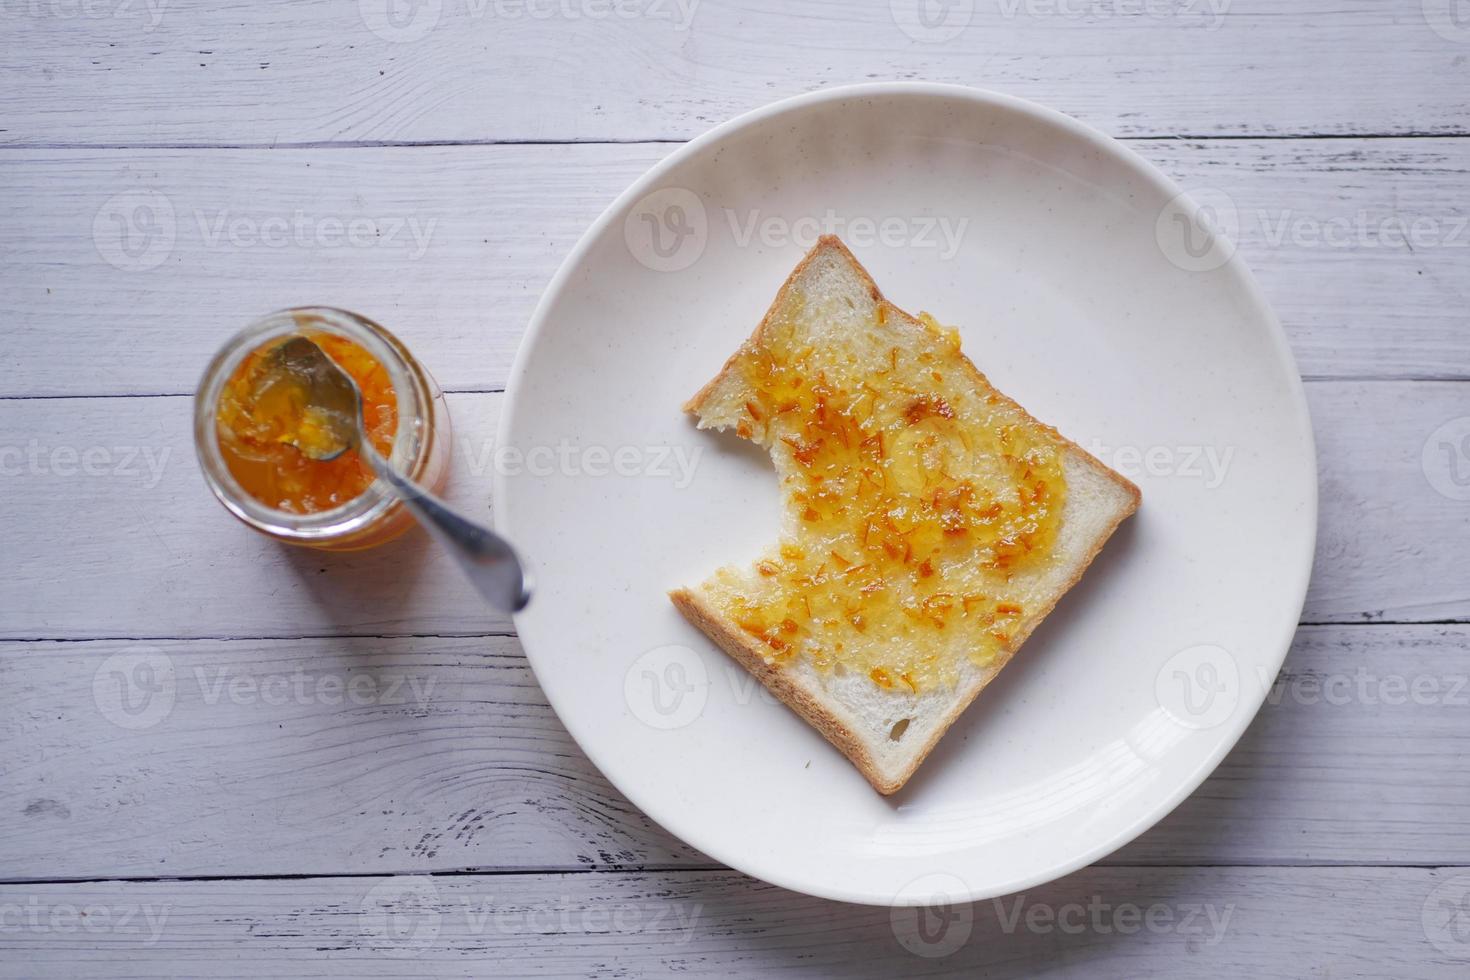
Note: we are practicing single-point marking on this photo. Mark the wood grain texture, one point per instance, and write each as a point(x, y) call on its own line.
point(434, 753)
point(474, 70)
point(127, 553)
point(141, 548)
point(1391, 542)
point(439, 753)
point(451, 246)
point(1102, 922)
point(455, 246)
point(251, 757)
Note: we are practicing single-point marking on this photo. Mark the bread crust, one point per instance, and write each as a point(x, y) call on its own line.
point(738, 644)
point(750, 653)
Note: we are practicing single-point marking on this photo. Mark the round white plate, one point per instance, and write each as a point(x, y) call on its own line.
point(1085, 289)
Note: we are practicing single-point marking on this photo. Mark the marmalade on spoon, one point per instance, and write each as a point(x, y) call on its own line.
point(263, 411)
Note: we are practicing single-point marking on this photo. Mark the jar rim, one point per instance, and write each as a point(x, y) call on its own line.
point(410, 388)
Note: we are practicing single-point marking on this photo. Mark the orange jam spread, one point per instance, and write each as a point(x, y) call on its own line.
point(263, 416)
point(916, 498)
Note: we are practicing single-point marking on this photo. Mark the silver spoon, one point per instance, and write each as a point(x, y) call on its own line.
point(486, 557)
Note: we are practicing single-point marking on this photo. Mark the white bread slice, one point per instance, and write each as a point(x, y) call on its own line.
point(834, 300)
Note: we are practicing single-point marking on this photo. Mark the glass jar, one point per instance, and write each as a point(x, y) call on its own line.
point(420, 444)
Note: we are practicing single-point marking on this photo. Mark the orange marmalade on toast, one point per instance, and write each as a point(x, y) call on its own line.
point(914, 493)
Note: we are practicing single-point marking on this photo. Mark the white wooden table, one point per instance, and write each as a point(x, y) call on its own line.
point(218, 757)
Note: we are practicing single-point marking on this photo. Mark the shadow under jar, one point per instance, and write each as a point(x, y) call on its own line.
point(269, 484)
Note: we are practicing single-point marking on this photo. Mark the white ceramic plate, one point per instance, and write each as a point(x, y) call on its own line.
point(1086, 290)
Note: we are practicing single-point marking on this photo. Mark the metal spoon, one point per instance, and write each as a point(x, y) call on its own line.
point(336, 410)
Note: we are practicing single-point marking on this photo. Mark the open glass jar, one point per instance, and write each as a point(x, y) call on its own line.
point(418, 447)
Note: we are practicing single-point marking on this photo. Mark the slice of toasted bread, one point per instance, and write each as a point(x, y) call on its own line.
point(890, 640)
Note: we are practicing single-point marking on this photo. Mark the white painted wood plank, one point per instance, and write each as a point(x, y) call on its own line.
point(113, 73)
point(255, 757)
point(126, 552)
point(319, 756)
point(454, 246)
point(236, 235)
point(142, 548)
point(1205, 922)
point(1344, 764)
point(1393, 528)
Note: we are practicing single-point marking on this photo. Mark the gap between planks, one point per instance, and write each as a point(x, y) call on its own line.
point(671, 869)
point(512, 635)
point(666, 141)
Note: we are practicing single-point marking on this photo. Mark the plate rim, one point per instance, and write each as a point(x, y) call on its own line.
point(1253, 695)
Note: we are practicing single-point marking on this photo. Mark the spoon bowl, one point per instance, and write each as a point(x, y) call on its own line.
point(331, 423)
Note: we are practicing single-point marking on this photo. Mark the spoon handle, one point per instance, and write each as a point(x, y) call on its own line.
point(487, 559)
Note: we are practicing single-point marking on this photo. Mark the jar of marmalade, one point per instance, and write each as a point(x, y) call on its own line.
point(245, 424)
